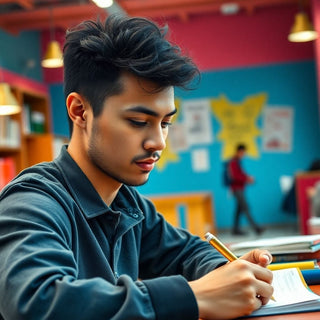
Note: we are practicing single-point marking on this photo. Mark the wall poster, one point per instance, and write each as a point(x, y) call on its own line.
point(197, 121)
point(277, 129)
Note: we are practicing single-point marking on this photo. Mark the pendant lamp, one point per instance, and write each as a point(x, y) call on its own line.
point(53, 56)
point(302, 29)
point(8, 103)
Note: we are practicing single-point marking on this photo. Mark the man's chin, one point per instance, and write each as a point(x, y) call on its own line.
point(137, 183)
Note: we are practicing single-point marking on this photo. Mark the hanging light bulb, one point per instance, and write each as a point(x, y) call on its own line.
point(53, 56)
point(302, 29)
point(8, 103)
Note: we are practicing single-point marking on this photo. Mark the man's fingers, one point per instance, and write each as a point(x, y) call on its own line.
point(263, 274)
point(264, 292)
point(257, 256)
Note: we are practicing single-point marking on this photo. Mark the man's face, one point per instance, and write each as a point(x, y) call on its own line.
point(241, 153)
point(127, 138)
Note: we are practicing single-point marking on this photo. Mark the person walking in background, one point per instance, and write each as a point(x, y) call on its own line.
point(239, 180)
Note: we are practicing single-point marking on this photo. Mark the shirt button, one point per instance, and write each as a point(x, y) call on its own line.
point(116, 274)
point(135, 215)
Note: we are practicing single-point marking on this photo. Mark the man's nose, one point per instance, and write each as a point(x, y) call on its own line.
point(156, 141)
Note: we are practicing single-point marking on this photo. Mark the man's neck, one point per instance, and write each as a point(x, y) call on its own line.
point(106, 186)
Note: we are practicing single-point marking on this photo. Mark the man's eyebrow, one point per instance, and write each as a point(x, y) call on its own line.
point(142, 109)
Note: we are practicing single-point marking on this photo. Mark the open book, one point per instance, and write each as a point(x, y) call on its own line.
point(291, 295)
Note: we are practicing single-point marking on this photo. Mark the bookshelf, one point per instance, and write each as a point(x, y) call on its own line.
point(27, 137)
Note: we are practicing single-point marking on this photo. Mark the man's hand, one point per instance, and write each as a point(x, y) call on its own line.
point(235, 289)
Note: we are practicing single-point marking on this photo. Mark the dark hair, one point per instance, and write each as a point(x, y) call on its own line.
point(97, 53)
point(241, 147)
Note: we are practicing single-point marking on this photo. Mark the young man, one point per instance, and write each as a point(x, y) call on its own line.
point(239, 180)
point(77, 241)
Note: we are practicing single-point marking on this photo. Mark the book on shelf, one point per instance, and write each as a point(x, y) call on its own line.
point(37, 123)
point(291, 295)
point(32, 121)
point(280, 245)
point(26, 121)
point(7, 171)
point(9, 132)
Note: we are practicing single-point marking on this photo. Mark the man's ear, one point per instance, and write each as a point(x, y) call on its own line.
point(76, 107)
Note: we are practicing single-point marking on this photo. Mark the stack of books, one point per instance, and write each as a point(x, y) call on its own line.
point(301, 251)
point(284, 249)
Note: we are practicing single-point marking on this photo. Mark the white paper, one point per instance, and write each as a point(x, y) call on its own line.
point(278, 129)
point(197, 119)
point(200, 160)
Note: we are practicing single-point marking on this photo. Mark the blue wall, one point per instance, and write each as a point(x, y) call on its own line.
point(17, 50)
point(291, 84)
point(59, 112)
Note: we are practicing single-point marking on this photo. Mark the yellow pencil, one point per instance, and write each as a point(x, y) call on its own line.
point(219, 246)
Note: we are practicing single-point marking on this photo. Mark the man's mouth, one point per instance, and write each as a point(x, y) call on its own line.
point(146, 164)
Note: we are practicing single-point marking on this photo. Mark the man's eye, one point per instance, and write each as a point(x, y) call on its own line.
point(138, 123)
point(166, 124)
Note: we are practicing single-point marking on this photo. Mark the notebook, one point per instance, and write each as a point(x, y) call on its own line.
point(291, 295)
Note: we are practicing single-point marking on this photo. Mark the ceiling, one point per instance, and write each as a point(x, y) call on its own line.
point(18, 15)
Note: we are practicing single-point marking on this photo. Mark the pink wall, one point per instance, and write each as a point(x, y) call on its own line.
point(219, 42)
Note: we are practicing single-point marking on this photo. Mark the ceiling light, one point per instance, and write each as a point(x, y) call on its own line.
point(53, 56)
point(302, 30)
point(229, 8)
point(103, 3)
point(8, 102)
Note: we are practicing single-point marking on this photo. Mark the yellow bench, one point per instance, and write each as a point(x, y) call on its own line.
point(193, 211)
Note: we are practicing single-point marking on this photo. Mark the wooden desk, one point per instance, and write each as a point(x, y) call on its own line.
point(294, 316)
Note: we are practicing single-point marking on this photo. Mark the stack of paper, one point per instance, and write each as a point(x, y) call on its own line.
point(280, 245)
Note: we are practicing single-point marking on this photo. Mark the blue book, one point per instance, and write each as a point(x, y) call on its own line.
point(311, 276)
